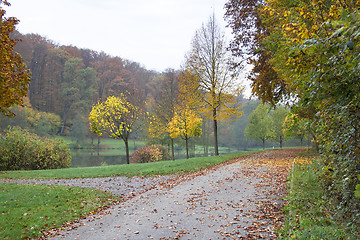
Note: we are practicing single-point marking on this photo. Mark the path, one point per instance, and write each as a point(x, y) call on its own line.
point(237, 201)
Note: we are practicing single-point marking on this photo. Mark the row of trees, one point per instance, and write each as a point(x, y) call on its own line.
point(306, 53)
point(204, 87)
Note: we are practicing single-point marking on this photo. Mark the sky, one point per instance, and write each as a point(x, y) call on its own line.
point(155, 33)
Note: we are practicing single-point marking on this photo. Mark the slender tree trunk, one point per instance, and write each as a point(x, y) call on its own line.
point(281, 142)
point(263, 143)
point(127, 151)
point(216, 138)
point(187, 147)
point(172, 149)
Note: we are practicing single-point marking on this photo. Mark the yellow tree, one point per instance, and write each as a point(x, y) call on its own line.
point(186, 124)
point(116, 116)
point(14, 76)
point(209, 61)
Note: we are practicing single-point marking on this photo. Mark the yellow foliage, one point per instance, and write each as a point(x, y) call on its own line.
point(185, 123)
point(115, 116)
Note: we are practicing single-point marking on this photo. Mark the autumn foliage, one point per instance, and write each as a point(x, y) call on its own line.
point(14, 76)
point(116, 117)
point(313, 46)
point(147, 154)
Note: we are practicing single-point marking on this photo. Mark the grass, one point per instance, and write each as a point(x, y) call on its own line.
point(26, 210)
point(129, 170)
point(309, 211)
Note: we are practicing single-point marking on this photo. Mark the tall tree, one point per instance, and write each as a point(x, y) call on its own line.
point(208, 61)
point(244, 18)
point(278, 117)
point(164, 109)
point(77, 91)
point(259, 127)
point(116, 116)
point(14, 76)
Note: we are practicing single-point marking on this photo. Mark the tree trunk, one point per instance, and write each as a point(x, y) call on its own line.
point(263, 143)
point(215, 133)
point(172, 149)
point(187, 148)
point(127, 151)
point(281, 142)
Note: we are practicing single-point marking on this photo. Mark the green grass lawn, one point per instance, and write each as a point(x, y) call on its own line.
point(26, 210)
point(129, 170)
point(309, 211)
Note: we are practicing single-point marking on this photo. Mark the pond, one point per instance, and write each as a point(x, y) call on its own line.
point(95, 157)
point(98, 157)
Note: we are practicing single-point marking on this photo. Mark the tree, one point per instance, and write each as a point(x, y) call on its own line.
point(249, 31)
point(164, 109)
point(110, 73)
point(14, 76)
point(278, 117)
point(77, 91)
point(295, 126)
point(237, 129)
point(259, 127)
point(208, 61)
point(186, 124)
point(116, 116)
point(314, 47)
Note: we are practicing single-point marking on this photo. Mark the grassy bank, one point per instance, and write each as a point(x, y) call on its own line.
point(144, 169)
point(26, 210)
point(309, 214)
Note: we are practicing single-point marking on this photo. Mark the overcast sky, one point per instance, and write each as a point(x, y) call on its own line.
point(155, 33)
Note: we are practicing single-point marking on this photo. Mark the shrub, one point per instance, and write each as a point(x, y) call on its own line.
point(21, 150)
point(164, 151)
point(146, 154)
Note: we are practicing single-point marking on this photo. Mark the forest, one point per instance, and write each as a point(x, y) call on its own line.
point(67, 81)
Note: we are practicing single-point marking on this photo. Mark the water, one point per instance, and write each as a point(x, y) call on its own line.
point(98, 157)
point(94, 157)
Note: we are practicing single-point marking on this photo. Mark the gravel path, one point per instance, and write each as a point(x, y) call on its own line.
point(241, 200)
point(120, 186)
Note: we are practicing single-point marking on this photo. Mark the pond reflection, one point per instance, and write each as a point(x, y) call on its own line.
point(94, 157)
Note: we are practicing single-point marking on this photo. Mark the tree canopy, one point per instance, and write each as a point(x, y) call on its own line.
point(314, 48)
point(14, 76)
point(185, 123)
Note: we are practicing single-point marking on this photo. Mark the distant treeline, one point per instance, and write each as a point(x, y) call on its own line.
point(67, 80)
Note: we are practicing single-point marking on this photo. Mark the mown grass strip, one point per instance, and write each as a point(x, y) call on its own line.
point(130, 170)
point(309, 214)
point(26, 210)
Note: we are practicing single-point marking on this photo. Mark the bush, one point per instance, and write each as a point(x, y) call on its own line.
point(21, 150)
point(164, 151)
point(146, 154)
